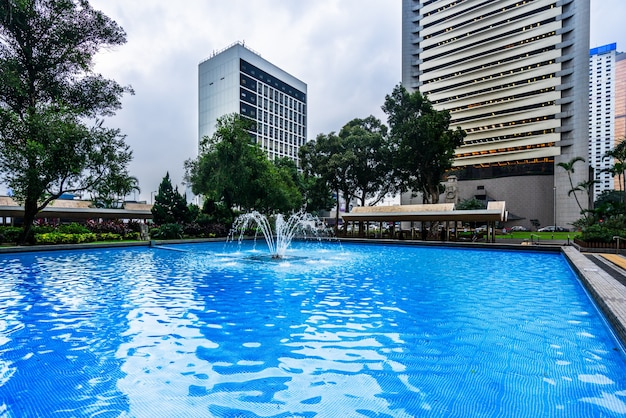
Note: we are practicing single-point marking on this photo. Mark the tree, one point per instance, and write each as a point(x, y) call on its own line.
point(285, 190)
point(232, 169)
point(423, 144)
point(278, 189)
point(111, 192)
point(369, 155)
point(316, 194)
point(569, 168)
point(618, 154)
point(48, 92)
point(325, 159)
point(169, 206)
point(610, 203)
point(470, 204)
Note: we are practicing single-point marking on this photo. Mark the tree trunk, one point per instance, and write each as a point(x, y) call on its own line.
point(361, 224)
point(30, 211)
point(337, 211)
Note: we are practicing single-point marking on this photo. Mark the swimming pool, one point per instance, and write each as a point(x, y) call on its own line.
point(332, 330)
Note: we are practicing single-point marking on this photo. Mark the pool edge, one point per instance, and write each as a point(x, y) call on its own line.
point(606, 291)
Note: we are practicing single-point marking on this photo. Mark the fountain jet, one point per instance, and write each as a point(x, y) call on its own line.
point(278, 239)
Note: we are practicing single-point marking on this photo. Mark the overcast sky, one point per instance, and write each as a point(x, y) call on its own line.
point(346, 51)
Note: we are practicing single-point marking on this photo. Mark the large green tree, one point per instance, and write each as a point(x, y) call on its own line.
point(326, 159)
point(48, 95)
point(422, 141)
point(287, 189)
point(232, 169)
point(368, 154)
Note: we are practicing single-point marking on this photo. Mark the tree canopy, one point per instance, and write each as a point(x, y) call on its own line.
point(169, 205)
point(48, 93)
point(367, 150)
point(325, 159)
point(232, 169)
point(618, 168)
point(422, 141)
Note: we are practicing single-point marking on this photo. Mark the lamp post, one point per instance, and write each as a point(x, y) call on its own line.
point(152, 197)
point(554, 189)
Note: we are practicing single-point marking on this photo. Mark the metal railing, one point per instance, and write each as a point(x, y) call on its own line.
point(618, 238)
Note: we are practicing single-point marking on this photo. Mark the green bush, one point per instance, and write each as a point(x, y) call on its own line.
point(42, 228)
point(134, 236)
point(72, 228)
point(108, 236)
point(9, 234)
point(62, 238)
point(601, 233)
point(167, 231)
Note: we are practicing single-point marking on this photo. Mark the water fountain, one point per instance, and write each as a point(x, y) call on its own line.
point(284, 231)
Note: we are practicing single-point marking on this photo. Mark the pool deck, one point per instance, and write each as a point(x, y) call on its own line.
point(605, 281)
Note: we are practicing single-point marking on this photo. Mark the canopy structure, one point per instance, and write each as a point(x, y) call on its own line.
point(443, 212)
point(75, 209)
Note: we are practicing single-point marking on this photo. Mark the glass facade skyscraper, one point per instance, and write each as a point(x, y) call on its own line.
point(239, 80)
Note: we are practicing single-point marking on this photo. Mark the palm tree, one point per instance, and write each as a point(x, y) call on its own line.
point(569, 167)
point(616, 170)
point(619, 166)
point(584, 186)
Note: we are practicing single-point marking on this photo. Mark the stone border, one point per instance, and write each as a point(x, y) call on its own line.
point(608, 293)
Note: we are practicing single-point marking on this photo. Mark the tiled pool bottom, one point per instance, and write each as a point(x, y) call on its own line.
point(351, 330)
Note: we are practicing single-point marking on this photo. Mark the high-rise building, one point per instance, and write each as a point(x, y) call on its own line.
point(602, 83)
point(620, 103)
point(238, 80)
point(514, 76)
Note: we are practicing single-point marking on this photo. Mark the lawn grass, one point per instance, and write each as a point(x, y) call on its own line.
point(542, 235)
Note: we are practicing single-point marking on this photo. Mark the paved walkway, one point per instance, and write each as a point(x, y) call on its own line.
point(608, 292)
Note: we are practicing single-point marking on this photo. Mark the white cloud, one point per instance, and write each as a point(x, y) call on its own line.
point(347, 51)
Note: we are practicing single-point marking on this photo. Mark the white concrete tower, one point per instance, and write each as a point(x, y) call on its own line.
point(514, 75)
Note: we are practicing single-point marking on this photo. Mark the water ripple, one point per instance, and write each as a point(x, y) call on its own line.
point(408, 332)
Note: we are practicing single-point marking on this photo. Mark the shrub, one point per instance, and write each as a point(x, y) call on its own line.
point(167, 231)
point(72, 228)
point(134, 226)
point(207, 230)
point(9, 234)
point(62, 238)
point(606, 230)
point(43, 225)
point(108, 236)
point(135, 236)
point(114, 227)
point(601, 233)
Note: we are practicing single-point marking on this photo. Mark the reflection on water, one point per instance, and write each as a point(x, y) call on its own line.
point(360, 331)
point(60, 334)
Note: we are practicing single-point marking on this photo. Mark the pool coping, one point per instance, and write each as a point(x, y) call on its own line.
point(608, 293)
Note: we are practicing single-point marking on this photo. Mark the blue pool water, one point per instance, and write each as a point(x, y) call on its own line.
point(331, 331)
